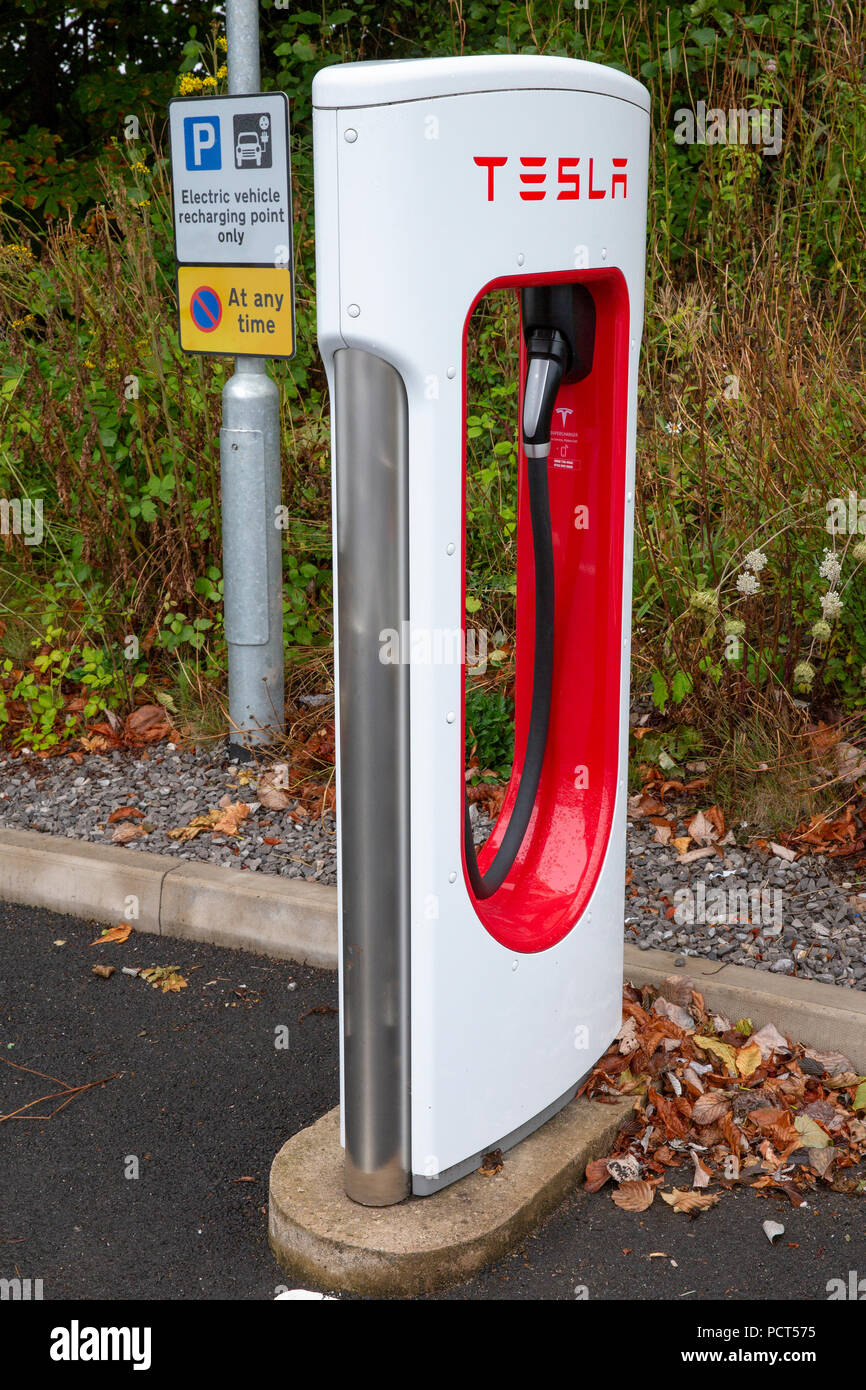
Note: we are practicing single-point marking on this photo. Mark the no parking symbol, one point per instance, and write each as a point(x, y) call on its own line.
point(205, 308)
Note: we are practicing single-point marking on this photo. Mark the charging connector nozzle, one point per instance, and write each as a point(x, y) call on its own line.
point(548, 358)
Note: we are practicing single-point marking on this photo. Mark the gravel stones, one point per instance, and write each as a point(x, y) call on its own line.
point(752, 909)
point(748, 908)
point(59, 797)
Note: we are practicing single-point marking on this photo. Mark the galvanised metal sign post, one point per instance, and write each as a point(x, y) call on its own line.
point(233, 243)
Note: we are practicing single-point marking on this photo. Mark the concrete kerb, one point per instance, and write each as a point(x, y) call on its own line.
point(86, 880)
point(289, 919)
point(292, 919)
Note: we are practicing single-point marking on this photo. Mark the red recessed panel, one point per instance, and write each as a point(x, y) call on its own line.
point(556, 870)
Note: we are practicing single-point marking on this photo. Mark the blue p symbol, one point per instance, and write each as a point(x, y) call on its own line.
point(201, 135)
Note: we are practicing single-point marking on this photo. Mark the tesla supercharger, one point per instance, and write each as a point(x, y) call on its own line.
point(477, 993)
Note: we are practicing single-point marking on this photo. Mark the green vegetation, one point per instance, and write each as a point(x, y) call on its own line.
point(752, 409)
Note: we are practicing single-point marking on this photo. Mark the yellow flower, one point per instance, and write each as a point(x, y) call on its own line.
point(222, 42)
point(139, 167)
point(189, 84)
point(208, 81)
point(222, 71)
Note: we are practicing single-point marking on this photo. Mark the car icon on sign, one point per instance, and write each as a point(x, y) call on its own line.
point(248, 148)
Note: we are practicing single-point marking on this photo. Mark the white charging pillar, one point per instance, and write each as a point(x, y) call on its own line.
point(465, 1026)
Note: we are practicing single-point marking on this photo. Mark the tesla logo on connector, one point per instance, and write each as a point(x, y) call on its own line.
point(601, 179)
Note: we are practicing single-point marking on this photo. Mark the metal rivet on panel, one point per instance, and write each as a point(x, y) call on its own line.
point(450, 717)
point(452, 877)
point(350, 135)
point(451, 373)
point(450, 548)
point(353, 311)
point(521, 258)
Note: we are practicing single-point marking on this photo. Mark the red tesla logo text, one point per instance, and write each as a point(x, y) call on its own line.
point(599, 181)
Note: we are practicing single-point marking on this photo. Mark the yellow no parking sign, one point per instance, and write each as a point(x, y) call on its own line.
point(236, 310)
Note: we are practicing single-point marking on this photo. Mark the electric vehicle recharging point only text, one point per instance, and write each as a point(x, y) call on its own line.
point(477, 992)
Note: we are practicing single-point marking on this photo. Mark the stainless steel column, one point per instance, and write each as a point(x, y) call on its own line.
point(371, 465)
point(250, 473)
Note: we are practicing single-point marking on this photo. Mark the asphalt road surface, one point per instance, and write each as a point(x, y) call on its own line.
point(199, 1102)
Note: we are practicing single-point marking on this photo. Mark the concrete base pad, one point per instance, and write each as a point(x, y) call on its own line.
point(320, 1237)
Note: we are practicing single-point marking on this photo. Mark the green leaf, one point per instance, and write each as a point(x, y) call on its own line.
point(660, 691)
point(681, 684)
point(860, 1097)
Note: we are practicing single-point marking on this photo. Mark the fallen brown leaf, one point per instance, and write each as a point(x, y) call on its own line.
point(596, 1175)
point(682, 1200)
point(492, 1163)
point(124, 833)
point(232, 817)
point(118, 933)
point(710, 1107)
point(634, 1196)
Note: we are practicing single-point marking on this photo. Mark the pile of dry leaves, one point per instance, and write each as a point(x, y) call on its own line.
point(732, 1105)
point(146, 724)
point(838, 836)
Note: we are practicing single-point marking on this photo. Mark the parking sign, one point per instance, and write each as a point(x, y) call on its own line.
point(230, 178)
point(201, 139)
point(231, 187)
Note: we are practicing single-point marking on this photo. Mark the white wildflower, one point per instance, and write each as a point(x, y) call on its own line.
point(748, 583)
point(755, 560)
point(831, 605)
point(830, 567)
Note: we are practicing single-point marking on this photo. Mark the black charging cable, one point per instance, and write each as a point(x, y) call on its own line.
point(548, 360)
